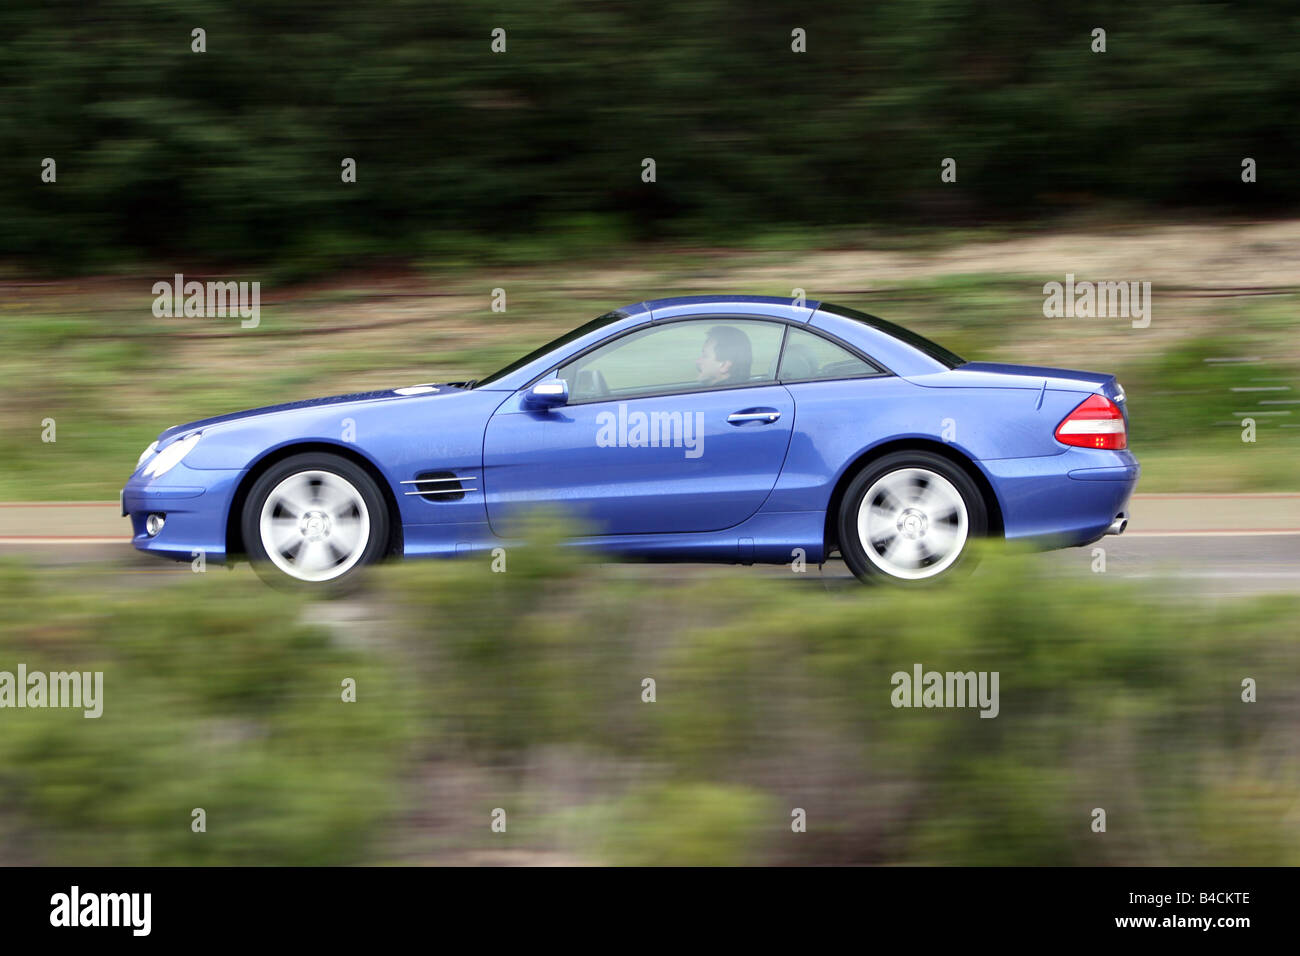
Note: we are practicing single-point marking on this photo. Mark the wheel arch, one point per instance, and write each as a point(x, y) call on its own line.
point(234, 533)
point(830, 534)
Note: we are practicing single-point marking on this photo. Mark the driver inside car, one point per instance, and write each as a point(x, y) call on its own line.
point(725, 358)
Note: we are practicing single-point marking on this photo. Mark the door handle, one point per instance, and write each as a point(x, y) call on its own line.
point(766, 416)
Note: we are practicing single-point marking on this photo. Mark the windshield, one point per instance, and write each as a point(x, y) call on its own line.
point(537, 353)
point(918, 342)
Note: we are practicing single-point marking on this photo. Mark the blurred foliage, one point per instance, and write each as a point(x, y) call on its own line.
point(524, 690)
point(1187, 405)
point(678, 825)
point(215, 696)
point(771, 694)
point(112, 375)
point(774, 695)
point(1199, 383)
point(234, 154)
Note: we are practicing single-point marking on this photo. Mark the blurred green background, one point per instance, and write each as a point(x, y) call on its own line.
point(91, 356)
point(522, 691)
point(233, 155)
point(522, 171)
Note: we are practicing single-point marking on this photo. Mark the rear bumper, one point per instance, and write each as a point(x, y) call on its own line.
point(1063, 500)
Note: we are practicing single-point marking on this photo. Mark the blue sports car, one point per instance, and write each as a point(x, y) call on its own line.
point(737, 429)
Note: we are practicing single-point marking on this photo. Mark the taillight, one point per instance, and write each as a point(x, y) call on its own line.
point(1096, 423)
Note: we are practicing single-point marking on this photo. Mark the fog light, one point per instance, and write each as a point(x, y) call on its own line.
point(154, 523)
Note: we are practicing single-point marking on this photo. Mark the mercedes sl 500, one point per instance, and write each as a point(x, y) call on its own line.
point(738, 429)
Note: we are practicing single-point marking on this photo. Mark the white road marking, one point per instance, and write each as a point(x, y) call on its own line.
point(37, 539)
point(1284, 575)
point(1204, 534)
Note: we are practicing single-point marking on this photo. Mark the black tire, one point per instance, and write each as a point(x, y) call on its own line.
point(884, 478)
point(323, 479)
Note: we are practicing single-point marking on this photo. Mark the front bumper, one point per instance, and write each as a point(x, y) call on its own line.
point(195, 503)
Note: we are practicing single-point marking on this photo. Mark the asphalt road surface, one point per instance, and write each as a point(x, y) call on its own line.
point(1215, 545)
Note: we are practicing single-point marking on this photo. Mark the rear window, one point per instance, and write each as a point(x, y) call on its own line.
point(810, 358)
point(918, 342)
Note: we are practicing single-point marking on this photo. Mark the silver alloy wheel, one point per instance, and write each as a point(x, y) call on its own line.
point(912, 523)
point(314, 525)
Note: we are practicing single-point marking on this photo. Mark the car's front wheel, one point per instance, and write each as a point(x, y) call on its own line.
point(909, 517)
point(314, 519)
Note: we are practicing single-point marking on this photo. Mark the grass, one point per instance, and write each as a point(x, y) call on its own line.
point(93, 358)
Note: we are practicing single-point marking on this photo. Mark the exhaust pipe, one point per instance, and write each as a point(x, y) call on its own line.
point(1119, 524)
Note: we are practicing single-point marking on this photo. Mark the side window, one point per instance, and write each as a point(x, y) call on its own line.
point(678, 357)
point(809, 357)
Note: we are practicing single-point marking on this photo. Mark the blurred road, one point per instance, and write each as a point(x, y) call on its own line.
point(1217, 545)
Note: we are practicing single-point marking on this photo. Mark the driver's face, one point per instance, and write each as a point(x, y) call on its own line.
point(710, 370)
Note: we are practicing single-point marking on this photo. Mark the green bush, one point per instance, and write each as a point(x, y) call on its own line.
point(234, 154)
point(526, 689)
point(216, 696)
point(1111, 697)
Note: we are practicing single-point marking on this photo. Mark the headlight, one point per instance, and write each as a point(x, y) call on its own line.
point(171, 456)
point(153, 447)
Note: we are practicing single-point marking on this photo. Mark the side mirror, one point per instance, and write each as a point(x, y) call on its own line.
point(548, 393)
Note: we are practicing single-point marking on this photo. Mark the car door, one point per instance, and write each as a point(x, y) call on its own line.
point(674, 427)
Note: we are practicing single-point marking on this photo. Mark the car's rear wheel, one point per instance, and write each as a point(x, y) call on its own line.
point(314, 520)
point(909, 517)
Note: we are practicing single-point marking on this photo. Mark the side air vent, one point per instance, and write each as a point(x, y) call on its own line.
point(440, 486)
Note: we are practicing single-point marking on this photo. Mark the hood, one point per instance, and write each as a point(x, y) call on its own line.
point(354, 398)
